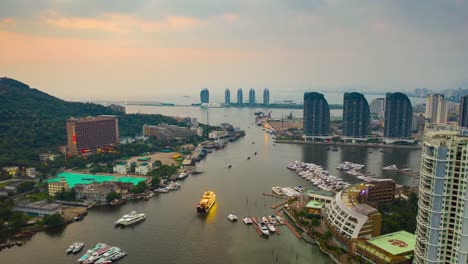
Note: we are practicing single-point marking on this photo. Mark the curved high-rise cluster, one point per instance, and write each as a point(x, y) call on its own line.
point(356, 115)
point(227, 96)
point(266, 96)
point(240, 96)
point(398, 116)
point(316, 115)
point(251, 96)
point(204, 96)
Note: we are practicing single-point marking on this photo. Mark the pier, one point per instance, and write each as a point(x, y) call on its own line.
point(286, 222)
point(255, 225)
point(280, 204)
point(273, 195)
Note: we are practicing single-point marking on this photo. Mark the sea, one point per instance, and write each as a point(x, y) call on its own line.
point(174, 233)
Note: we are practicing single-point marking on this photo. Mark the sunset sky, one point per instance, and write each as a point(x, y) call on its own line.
point(145, 49)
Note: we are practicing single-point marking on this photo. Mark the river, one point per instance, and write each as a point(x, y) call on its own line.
point(174, 233)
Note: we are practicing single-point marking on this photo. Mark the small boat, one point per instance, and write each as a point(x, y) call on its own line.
point(78, 247)
point(229, 166)
point(390, 168)
point(253, 142)
point(232, 217)
point(277, 190)
point(248, 157)
point(91, 251)
point(182, 176)
point(263, 228)
point(70, 248)
point(272, 219)
point(280, 219)
point(118, 256)
point(255, 153)
point(247, 221)
point(271, 227)
point(77, 218)
point(265, 220)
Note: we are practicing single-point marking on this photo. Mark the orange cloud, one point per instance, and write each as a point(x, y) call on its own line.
point(115, 22)
point(229, 17)
point(7, 22)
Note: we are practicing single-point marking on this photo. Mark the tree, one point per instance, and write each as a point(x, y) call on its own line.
point(66, 195)
point(16, 220)
point(54, 220)
point(112, 196)
point(139, 188)
point(25, 186)
point(155, 181)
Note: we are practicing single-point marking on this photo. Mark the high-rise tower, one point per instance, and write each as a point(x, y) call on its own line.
point(266, 96)
point(251, 96)
point(316, 115)
point(463, 118)
point(227, 96)
point(442, 220)
point(436, 108)
point(356, 115)
point(240, 97)
point(204, 96)
point(398, 116)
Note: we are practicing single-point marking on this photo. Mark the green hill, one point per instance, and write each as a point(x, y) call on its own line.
point(32, 121)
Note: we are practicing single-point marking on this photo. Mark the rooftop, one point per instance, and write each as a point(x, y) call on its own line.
point(320, 192)
point(395, 243)
point(144, 159)
point(73, 179)
point(314, 204)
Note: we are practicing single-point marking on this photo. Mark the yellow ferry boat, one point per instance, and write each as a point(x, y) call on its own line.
point(207, 201)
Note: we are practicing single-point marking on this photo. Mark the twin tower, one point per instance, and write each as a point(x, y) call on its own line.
point(205, 96)
point(356, 115)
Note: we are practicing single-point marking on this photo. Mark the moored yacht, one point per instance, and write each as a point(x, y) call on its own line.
point(277, 190)
point(232, 217)
point(247, 221)
point(263, 228)
point(271, 227)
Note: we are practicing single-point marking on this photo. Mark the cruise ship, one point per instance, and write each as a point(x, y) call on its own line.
point(207, 201)
point(130, 218)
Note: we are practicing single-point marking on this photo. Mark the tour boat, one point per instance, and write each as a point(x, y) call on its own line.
point(390, 168)
point(130, 218)
point(207, 201)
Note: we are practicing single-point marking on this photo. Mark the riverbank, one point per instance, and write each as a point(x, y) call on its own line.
point(368, 145)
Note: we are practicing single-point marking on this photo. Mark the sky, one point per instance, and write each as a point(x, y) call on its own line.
point(147, 49)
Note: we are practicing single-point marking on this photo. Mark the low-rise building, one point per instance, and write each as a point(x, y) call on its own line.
point(164, 131)
point(121, 167)
point(40, 208)
point(95, 192)
point(320, 196)
point(218, 134)
point(143, 168)
point(55, 187)
point(31, 172)
point(315, 207)
point(11, 170)
point(44, 157)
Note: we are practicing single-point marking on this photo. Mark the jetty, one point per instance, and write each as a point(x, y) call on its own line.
point(255, 225)
point(280, 204)
point(293, 230)
point(273, 195)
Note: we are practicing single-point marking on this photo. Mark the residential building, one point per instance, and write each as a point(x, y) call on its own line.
point(143, 168)
point(436, 109)
point(356, 115)
point(240, 97)
point(251, 96)
point(316, 115)
point(92, 134)
point(40, 208)
point(347, 218)
point(118, 108)
point(31, 172)
point(55, 187)
point(442, 220)
point(121, 167)
point(11, 170)
point(398, 116)
point(227, 96)
point(381, 192)
point(377, 107)
point(266, 96)
point(418, 122)
point(95, 192)
point(165, 131)
point(204, 96)
point(463, 115)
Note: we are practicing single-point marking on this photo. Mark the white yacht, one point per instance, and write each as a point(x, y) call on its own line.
point(78, 246)
point(263, 228)
point(272, 219)
point(232, 217)
point(130, 218)
point(247, 221)
point(271, 227)
point(277, 190)
point(390, 168)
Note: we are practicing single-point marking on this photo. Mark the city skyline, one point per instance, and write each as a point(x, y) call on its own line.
point(138, 50)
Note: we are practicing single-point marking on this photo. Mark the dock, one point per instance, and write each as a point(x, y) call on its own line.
point(255, 225)
point(293, 230)
point(273, 195)
point(280, 204)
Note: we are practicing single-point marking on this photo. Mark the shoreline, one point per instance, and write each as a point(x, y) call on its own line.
point(292, 141)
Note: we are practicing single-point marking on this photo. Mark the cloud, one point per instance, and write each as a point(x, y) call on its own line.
point(7, 22)
point(230, 17)
point(121, 23)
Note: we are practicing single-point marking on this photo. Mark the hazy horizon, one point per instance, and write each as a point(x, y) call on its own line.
point(139, 50)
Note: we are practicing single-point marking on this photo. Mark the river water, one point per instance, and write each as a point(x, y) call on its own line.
point(174, 233)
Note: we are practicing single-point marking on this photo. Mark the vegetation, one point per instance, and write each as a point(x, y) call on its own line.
point(66, 195)
point(112, 196)
point(163, 171)
point(139, 188)
point(14, 219)
point(25, 186)
point(53, 220)
point(402, 216)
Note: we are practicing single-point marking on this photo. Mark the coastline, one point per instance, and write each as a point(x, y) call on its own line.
point(291, 141)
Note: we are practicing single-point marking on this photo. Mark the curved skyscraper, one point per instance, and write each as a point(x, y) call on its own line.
point(266, 96)
point(227, 96)
point(356, 115)
point(463, 118)
point(398, 116)
point(240, 96)
point(204, 96)
point(251, 96)
point(316, 115)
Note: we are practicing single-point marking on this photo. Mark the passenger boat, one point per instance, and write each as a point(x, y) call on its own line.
point(91, 251)
point(207, 201)
point(232, 217)
point(247, 221)
point(277, 190)
point(130, 218)
point(271, 227)
point(78, 247)
point(263, 228)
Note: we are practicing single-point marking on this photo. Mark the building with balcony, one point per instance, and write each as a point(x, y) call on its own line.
point(266, 96)
point(143, 168)
point(240, 97)
point(442, 220)
point(251, 97)
point(121, 167)
point(58, 186)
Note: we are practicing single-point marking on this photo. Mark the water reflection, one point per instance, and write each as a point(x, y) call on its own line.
point(316, 154)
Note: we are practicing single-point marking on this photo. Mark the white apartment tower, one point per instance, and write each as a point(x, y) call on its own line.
point(442, 221)
point(436, 109)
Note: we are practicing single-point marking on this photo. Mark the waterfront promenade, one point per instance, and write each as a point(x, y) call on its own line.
point(371, 145)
